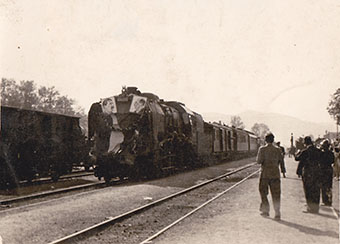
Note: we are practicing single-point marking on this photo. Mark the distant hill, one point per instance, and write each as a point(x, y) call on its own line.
point(281, 125)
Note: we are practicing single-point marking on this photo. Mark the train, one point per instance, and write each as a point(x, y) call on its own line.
point(138, 135)
point(36, 144)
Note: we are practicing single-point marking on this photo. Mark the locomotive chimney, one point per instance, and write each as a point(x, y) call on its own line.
point(132, 90)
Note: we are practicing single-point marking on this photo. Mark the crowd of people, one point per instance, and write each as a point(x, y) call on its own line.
point(317, 165)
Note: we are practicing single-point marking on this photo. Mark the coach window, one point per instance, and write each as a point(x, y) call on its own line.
point(216, 134)
point(242, 139)
point(229, 140)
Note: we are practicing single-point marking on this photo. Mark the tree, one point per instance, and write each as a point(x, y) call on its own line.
point(22, 95)
point(29, 98)
point(334, 106)
point(260, 130)
point(237, 122)
point(9, 93)
point(47, 99)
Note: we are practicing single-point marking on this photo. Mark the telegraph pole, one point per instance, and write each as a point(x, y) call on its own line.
point(0, 106)
point(291, 140)
point(337, 126)
point(292, 149)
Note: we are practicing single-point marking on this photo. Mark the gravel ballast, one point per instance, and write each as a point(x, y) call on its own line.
point(52, 220)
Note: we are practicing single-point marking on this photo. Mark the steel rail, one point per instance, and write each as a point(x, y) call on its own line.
point(112, 220)
point(76, 175)
point(48, 193)
point(148, 240)
point(49, 179)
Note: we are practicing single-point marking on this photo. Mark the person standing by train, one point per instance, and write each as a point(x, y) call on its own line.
point(309, 169)
point(283, 152)
point(326, 161)
point(271, 160)
point(336, 166)
point(282, 148)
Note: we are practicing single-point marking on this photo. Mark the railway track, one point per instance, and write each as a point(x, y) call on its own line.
point(7, 202)
point(49, 179)
point(40, 181)
point(87, 235)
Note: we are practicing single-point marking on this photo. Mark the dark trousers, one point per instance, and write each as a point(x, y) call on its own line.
point(326, 186)
point(311, 186)
point(275, 190)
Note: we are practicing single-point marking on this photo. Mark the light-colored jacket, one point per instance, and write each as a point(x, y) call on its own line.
point(270, 158)
point(336, 166)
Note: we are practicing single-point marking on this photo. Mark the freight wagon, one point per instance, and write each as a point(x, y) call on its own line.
point(37, 144)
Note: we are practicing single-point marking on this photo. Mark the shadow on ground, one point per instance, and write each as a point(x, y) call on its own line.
point(309, 230)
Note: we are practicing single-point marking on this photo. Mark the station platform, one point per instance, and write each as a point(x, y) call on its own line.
point(235, 218)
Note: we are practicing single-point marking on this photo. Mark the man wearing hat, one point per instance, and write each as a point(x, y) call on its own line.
point(309, 169)
point(270, 158)
point(326, 161)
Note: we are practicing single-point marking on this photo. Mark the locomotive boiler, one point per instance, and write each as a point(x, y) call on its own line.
point(138, 135)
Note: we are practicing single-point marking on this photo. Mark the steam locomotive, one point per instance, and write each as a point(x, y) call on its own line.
point(138, 135)
point(37, 144)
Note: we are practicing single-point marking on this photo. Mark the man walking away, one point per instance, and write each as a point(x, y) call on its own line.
point(326, 161)
point(309, 169)
point(270, 158)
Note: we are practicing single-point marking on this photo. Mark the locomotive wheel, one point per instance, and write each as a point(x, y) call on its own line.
point(134, 174)
point(154, 172)
point(147, 168)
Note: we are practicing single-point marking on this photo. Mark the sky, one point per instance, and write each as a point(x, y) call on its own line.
point(215, 56)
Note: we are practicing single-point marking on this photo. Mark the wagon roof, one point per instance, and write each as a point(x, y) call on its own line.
point(181, 106)
point(38, 111)
point(221, 125)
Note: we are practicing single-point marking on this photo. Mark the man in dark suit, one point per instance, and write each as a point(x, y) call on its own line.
point(282, 148)
point(309, 169)
point(326, 162)
point(271, 160)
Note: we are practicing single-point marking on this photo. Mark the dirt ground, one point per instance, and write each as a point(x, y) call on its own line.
point(48, 221)
point(235, 218)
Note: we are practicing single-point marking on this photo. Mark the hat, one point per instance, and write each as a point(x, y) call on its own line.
point(325, 143)
point(307, 140)
point(269, 137)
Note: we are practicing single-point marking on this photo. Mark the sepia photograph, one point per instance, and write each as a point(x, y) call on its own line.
point(169, 122)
